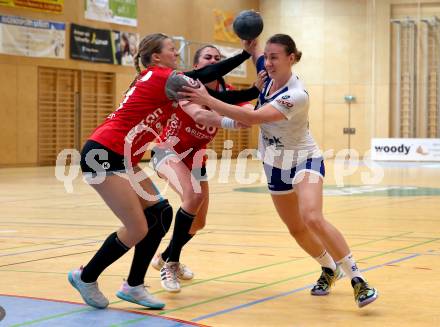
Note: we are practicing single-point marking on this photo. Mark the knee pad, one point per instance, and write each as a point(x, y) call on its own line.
point(159, 217)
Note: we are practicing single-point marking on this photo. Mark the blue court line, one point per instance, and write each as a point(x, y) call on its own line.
point(249, 304)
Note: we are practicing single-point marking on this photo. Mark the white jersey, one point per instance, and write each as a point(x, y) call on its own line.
point(287, 143)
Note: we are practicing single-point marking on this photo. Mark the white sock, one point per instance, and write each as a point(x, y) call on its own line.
point(325, 260)
point(349, 267)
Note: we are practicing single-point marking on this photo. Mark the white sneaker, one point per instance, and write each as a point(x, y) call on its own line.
point(88, 291)
point(183, 273)
point(139, 295)
point(168, 276)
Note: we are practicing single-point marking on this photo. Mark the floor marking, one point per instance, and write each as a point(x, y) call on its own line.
point(47, 249)
point(269, 298)
point(254, 288)
point(276, 282)
point(41, 259)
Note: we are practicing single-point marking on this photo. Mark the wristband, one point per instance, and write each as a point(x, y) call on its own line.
point(228, 123)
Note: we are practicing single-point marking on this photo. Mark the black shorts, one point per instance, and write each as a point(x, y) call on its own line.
point(98, 159)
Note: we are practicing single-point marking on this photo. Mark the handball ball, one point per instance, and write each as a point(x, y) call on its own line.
point(248, 25)
point(175, 84)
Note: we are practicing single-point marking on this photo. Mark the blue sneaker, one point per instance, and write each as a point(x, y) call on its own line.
point(139, 295)
point(89, 291)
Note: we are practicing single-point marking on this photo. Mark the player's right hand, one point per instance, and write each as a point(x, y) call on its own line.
point(261, 78)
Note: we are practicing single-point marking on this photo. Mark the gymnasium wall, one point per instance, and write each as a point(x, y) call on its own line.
point(346, 51)
point(345, 45)
point(192, 19)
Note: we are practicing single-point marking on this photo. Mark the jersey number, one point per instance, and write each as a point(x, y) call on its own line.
point(129, 93)
point(209, 129)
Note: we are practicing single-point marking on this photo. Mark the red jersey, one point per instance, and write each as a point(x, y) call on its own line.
point(190, 135)
point(140, 117)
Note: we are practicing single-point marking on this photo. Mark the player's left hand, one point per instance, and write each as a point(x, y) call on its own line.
point(199, 95)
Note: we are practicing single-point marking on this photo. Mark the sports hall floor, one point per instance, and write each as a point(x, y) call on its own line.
point(249, 272)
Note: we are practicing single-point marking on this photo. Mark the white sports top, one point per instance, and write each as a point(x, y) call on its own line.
point(286, 143)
